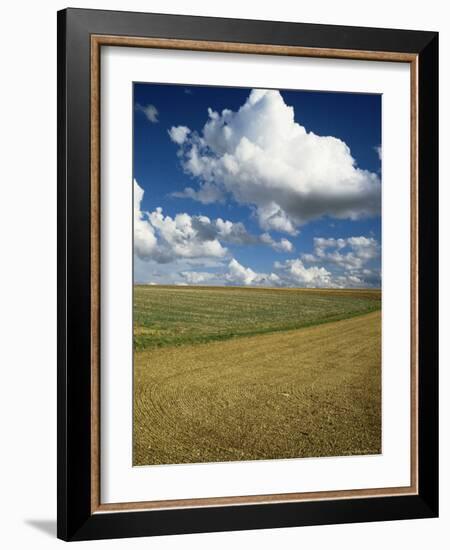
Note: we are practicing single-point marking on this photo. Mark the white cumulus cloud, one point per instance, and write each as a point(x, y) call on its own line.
point(294, 273)
point(335, 263)
point(283, 245)
point(351, 253)
point(235, 274)
point(179, 239)
point(240, 275)
point(178, 134)
point(165, 239)
point(349, 258)
point(145, 241)
point(261, 157)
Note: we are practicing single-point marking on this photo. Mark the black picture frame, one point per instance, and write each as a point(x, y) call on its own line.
point(75, 518)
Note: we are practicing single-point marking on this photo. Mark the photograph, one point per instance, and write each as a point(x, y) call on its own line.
point(247, 286)
point(257, 239)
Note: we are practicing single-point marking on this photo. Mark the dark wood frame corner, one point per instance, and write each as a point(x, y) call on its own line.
point(81, 34)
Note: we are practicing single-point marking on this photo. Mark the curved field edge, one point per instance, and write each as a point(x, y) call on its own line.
point(171, 316)
point(304, 393)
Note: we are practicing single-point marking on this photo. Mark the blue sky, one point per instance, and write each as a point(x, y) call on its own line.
point(256, 187)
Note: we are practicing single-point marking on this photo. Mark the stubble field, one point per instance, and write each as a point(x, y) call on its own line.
point(225, 374)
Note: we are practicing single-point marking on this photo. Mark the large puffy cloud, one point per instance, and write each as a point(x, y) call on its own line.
point(164, 239)
point(261, 157)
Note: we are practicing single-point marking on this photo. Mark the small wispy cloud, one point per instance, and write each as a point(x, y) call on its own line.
point(150, 111)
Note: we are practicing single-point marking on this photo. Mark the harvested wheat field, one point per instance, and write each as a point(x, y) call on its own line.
point(245, 374)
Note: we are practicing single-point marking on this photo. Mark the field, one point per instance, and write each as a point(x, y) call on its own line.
point(226, 374)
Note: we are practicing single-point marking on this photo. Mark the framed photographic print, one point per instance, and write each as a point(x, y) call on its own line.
point(247, 253)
